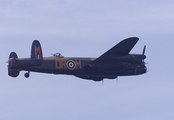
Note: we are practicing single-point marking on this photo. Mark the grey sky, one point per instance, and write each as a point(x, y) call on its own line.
point(87, 28)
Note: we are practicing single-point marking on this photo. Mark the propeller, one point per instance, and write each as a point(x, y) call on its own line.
point(144, 49)
point(143, 54)
point(143, 57)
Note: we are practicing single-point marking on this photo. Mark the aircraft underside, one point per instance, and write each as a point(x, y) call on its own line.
point(96, 75)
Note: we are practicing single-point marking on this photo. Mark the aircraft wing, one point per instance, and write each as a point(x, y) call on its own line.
point(121, 49)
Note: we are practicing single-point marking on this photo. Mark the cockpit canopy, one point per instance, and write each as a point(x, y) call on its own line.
point(57, 55)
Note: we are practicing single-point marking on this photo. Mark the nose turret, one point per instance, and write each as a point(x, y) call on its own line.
point(141, 69)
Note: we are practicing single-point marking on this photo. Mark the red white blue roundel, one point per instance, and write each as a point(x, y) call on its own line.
point(71, 64)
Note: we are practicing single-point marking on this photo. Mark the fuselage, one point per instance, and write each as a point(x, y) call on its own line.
point(75, 66)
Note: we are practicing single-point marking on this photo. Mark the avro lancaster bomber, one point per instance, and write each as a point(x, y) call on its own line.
point(115, 62)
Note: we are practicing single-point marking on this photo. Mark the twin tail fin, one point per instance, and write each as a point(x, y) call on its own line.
point(36, 53)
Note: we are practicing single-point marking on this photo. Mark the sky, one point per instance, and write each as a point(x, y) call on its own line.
point(87, 28)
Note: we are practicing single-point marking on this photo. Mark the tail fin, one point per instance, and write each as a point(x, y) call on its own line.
point(12, 64)
point(36, 53)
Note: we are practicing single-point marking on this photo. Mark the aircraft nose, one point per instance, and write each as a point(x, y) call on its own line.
point(142, 69)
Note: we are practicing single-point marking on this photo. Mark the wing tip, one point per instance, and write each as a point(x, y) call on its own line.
point(132, 38)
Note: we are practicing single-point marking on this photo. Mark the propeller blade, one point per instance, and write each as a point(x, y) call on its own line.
point(144, 49)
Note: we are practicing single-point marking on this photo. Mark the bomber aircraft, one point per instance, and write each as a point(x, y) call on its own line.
point(115, 62)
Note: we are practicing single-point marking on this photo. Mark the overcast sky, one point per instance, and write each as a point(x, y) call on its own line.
point(87, 28)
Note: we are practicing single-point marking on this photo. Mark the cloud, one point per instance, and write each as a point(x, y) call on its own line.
point(80, 17)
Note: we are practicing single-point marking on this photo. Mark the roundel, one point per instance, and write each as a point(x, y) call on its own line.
point(71, 64)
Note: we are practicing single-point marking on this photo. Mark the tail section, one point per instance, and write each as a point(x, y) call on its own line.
point(12, 64)
point(15, 65)
point(36, 53)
